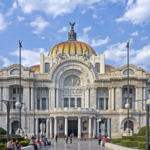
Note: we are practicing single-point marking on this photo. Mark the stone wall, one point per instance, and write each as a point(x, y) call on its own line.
point(118, 93)
point(93, 98)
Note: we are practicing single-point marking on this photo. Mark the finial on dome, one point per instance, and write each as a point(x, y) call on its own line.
point(72, 35)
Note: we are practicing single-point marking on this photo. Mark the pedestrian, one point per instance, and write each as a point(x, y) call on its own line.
point(17, 145)
point(32, 142)
point(9, 145)
point(66, 139)
point(99, 139)
point(71, 138)
point(56, 138)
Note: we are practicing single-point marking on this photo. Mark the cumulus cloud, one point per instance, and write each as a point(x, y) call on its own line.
point(135, 33)
point(20, 18)
point(39, 25)
point(94, 16)
point(3, 23)
point(100, 42)
point(30, 57)
point(83, 11)
point(6, 61)
point(85, 30)
point(144, 38)
point(64, 29)
point(10, 11)
point(43, 37)
point(137, 12)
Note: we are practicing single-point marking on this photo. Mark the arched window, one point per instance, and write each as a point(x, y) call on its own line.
point(131, 72)
point(130, 125)
point(15, 72)
point(97, 67)
point(15, 126)
point(47, 65)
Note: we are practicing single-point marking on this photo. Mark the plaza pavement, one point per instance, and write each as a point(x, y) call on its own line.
point(89, 144)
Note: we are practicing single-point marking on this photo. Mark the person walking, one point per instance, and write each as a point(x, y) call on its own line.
point(66, 139)
point(99, 139)
point(71, 138)
point(56, 138)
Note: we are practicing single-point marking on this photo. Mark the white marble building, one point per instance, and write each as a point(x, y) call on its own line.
point(74, 88)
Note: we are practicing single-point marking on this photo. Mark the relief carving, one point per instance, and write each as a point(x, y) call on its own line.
point(72, 81)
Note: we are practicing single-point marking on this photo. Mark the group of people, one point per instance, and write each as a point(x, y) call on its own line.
point(11, 147)
point(66, 138)
point(103, 139)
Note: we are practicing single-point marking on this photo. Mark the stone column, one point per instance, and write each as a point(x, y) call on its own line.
point(138, 106)
point(69, 100)
point(55, 126)
point(104, 103)
point(52, 100)
point(90, 127)
point(0, 98)
point(5, 96)
point(97, 128)
point(37, 127)
point(75, 102)
point(66, 125)
point(83, 98)
point(32, 98)
point(144, 97)
point(51, 128)
point(35, 99)
point(109, 99)
point(57, 98)
point(94, 128)
point(93, 97)
point(26, 96)
point(79, 127)
point(49, 105)
point(118, 95)
point(112, 97)
point(88, 102)
point(47, 128)
point(108, 127)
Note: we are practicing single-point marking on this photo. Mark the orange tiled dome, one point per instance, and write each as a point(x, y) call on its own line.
point(108, 68)
point(36, 68)
point(72, 48)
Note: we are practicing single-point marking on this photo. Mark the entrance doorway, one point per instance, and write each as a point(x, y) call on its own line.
point(73, 127)
point(15, 126)
point(130, 126)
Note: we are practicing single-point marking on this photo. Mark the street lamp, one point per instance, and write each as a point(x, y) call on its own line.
point(127, 106)
point(8, 105)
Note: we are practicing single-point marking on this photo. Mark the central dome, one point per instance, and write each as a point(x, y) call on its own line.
point(72, 47)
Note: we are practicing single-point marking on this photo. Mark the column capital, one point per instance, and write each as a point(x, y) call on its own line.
point(66, 117)
point(55, 117)
point(79, 117)
point(90, 117)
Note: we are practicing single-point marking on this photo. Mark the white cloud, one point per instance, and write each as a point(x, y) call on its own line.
point(122, 31)
point(83, 11)
point(100, 42)
point(54, 7)
point(30, 57)
point(43, 37)
point(85, 30)
point(6, 61)
point(64, 29)
point(135, 33)
point(137, 12)
point(84, 38)
point(10, 11)
point(20, 18)
point(144, 38)
point(39, 25)
point(94, 16)
point(3, 23)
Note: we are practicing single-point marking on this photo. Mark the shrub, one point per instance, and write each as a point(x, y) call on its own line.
point(116, 140)
point(142, 131)
point(128, 143)
point(135, 138)
point(142, 145)
point(27, 140)
point(2, 146)
point(2, 131)
point(4, 140)
point(24, 143)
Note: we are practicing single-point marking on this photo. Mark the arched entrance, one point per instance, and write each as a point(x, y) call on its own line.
point(15, 126)
point(130, 125)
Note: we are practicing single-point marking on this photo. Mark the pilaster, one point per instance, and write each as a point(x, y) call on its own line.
point(93, 97)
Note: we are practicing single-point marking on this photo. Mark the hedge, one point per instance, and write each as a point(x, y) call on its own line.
point(114, 141)
point(27, 140)
point(4, 140)
point(142, 145)
point(2, 146)
point(135, 138)
point(2, 131)
point(129, 143)
point(24, 143)
point(142, 131)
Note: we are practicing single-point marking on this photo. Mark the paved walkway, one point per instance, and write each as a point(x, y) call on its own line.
point(89, 144)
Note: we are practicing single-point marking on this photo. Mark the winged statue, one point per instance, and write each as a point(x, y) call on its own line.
point(85, 55)
point(72, 24)
point(128, 43)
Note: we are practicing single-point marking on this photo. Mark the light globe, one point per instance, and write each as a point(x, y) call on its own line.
point(148, 102)
point(18, 104)
point(24, 108)
point(127, 106)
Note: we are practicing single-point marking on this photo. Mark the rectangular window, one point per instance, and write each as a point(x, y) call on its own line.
point(14, 91)
point(125, 91)
point(106, 103)
point(130, 91)
point(43, 103)
point(38, 104)
point(66, 102)
point(101, 103)
point(78, 102)
point(97, 67)
point(47, 67)
point(72, 102)
point(124, 102)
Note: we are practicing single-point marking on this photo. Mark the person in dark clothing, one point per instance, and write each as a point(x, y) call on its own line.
point(32, 142)
point(66, 139)
point(99, 139)
point(70, 138)
point(17, 145)
point(56, 138)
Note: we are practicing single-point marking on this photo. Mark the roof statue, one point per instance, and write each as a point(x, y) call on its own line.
point(72, 25)
point(72, 35)
point(128, 43)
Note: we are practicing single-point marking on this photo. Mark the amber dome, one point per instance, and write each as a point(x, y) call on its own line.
point(72, 48)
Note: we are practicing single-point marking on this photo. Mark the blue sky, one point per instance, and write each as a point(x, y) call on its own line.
point(103, 24)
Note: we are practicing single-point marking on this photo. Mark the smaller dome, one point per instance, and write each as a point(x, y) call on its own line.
point(108, 69)
point(36, 68)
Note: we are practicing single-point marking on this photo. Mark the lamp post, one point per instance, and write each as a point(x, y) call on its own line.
point(8, 104)
point(127, 105)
